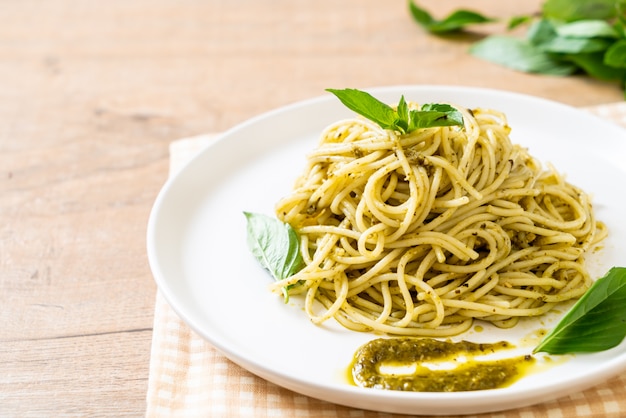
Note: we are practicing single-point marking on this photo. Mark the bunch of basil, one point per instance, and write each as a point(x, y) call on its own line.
point(566, 37)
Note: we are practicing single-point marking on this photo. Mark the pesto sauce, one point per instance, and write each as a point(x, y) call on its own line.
point(411, 353)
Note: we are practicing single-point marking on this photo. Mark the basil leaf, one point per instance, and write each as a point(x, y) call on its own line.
point(275, 245)
point(564, 45)
point(552, 38)
point(587, 29)
point(516, 21)
point(571, 10)
point(521, 55)
point(620, 28)
point(596, 322)
point(434, 114)
point(593, 64)
point(367, 105)
point(456, 21)
point(402, 119)
point(541, 32)
point(616, 55)
point(620, 25)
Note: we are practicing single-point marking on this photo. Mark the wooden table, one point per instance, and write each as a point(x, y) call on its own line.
point(91, 95)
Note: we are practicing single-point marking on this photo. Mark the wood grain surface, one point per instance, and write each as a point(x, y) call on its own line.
point(91, 94)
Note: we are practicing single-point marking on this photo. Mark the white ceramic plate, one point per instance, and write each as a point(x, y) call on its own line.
point(198, 253)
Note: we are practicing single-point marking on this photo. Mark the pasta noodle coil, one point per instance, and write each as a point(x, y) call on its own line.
point(420, 234)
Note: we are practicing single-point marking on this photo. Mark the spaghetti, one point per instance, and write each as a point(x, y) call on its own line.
point(419, 234)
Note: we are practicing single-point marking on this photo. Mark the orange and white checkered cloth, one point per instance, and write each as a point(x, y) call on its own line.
point(190, 378)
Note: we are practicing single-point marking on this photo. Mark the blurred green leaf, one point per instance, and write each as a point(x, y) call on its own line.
point(521, 55)
point(454, 22)
point(571, 10)
point(616, 55)
point(541, 31)
point(564, 45)
point(593, 64)
point(587, 29)
point(516, 21)
point(549, 37)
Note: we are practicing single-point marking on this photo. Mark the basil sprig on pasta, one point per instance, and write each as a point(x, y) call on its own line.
point(401, 119)
point(275, 245)
point(597, 321)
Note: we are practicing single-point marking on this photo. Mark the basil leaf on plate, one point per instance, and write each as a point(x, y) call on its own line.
point(455, 21)
point(596, 322)
point(275, 245)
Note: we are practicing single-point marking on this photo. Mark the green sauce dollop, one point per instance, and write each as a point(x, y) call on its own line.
point(373, 358)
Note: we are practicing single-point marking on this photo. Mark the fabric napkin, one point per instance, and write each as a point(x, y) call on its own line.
point(190, 378)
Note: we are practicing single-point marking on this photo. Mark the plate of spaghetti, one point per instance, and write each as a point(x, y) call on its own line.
point(483, 230)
